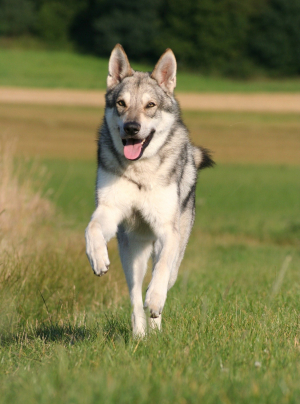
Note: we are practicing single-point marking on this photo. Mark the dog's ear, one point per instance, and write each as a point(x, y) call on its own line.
point(165, 71)
point(118, 67)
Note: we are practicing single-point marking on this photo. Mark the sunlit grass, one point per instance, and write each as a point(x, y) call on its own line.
point(231, 323)
point(235, 137)
point(54, 69)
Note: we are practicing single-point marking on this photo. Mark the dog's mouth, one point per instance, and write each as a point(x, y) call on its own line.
point(134, 148)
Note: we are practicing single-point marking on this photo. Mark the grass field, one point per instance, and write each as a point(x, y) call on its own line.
point(53, 69)
point(231, 325)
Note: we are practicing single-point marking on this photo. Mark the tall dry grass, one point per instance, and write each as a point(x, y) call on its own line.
point(24, 216)
point(22, 209)
point(45, 276)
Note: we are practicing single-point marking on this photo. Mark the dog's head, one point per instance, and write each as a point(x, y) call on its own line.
point(140, 107)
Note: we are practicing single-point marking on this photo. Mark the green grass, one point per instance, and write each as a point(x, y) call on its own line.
point(76, 203)
point(54, 69)
point(257, 202)
point(226, 195)
point(231, 330)
point(230, 326)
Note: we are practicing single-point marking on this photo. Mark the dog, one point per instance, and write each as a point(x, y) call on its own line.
point(146, 182)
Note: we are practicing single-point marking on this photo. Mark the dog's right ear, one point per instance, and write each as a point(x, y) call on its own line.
point(165, 71)
point(118, 67)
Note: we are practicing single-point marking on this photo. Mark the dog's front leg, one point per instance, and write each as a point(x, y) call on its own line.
point(102, 227)
point(167, 256)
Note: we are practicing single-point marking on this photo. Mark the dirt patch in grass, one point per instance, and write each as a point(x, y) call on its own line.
point(264, 102)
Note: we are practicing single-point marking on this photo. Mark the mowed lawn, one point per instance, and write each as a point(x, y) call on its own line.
point(231, 325)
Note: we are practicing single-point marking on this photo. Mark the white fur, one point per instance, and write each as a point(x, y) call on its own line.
point(117, 198)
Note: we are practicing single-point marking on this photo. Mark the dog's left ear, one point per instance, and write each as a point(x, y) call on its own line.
point(165, 71)
point(118, 67)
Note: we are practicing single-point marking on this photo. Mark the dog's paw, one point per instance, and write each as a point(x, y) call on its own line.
point(155, 302)
point(96, 250)
point(139, 324)
point(155, 323)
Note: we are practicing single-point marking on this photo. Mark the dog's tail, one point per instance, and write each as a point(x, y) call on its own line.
point(202, 157)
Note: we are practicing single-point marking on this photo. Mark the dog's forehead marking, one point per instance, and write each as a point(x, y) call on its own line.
point(138, 84)
point(125, 95)
point(146, 97)
point(138, 99)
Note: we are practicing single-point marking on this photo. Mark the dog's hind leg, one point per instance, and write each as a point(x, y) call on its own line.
point(135, 252)
point(155, 323)
point(186, 223)
point(166, 256)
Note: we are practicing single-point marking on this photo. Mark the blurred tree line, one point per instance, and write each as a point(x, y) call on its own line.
point(229, 37)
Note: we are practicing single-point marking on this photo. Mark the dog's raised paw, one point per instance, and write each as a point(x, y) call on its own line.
point(96, 250)
point(99, 261)
point(99, 266)
point(102, 272)
point(154, 302)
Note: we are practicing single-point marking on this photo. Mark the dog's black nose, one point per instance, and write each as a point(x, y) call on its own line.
point(132, 128)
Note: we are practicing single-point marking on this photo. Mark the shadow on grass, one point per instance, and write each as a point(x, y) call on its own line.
point(66, 333)
point(111, 327)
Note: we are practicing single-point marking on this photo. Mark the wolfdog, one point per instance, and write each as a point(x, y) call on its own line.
point(146, 181)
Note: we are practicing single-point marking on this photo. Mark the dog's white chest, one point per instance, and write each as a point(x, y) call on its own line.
point(154, 202)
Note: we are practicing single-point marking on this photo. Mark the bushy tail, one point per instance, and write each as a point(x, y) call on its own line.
point(202, 157)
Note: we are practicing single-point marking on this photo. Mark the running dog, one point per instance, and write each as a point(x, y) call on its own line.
point(146, 182)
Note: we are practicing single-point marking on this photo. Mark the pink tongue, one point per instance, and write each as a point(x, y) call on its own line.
point(132, 150)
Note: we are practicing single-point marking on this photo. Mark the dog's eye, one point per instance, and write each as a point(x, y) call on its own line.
point(150, 105)
point(121, 103)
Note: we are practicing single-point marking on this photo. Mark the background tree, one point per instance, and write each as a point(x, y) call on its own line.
point(55, 18)
point(17, 17)
point(132, 23)
point(274, 39)
point(228, 37)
